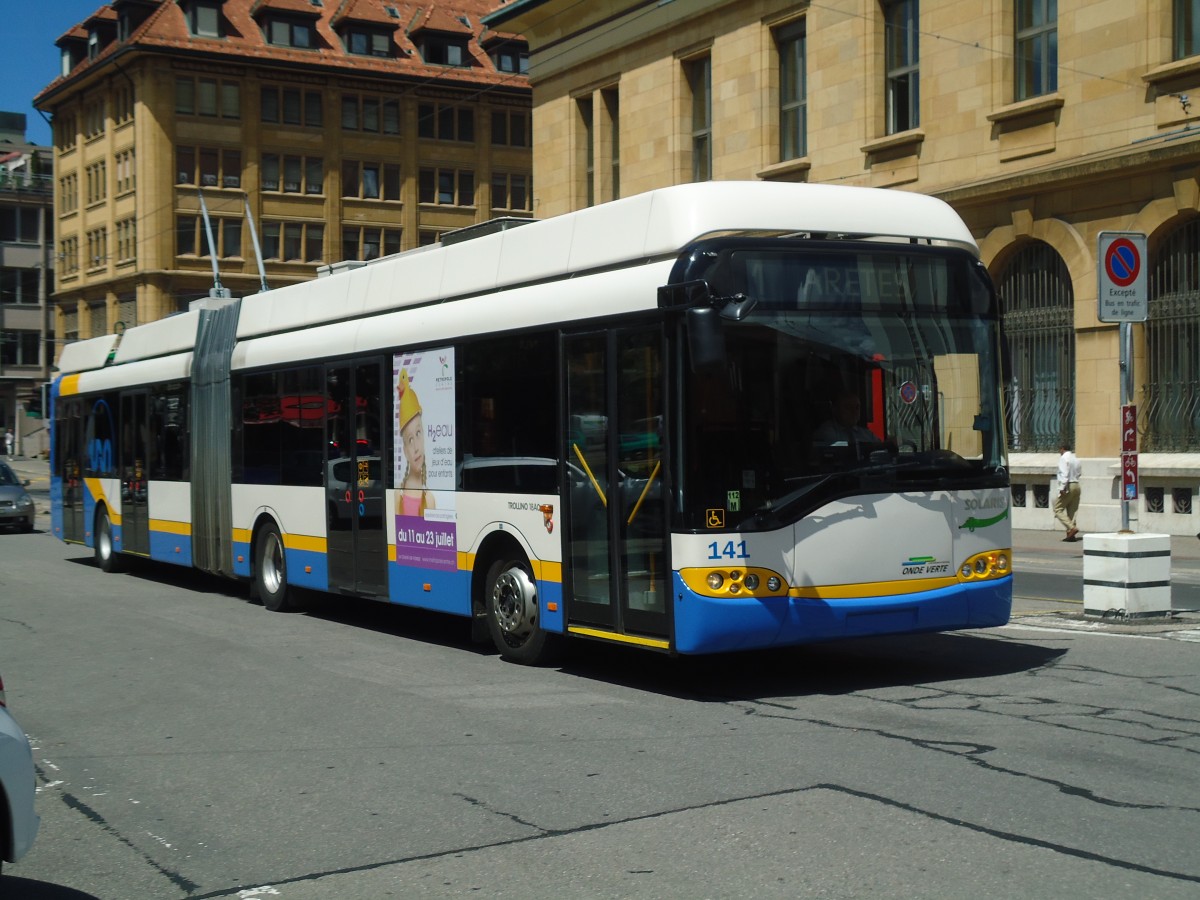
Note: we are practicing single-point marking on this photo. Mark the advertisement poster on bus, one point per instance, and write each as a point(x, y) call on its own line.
point(423, 385)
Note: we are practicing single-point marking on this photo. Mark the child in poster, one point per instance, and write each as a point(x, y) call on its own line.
point(424, 461)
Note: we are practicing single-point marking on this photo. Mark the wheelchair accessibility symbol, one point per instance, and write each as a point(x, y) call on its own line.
point(715, 518)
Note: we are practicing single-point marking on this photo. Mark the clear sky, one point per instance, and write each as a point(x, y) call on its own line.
point(30, 61)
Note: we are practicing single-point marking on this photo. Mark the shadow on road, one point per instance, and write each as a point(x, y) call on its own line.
point(831, 668)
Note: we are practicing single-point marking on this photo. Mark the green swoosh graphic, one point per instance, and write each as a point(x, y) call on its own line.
point(972, 523)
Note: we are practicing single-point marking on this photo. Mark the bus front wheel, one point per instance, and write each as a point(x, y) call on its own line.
point(103, 546)
point(512, 614)
point(270, 571)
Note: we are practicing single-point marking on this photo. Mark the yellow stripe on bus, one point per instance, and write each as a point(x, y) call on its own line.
point(305, 542)
point(871, 589)
point(622, 638)
point(166, 526)
point(68, 385)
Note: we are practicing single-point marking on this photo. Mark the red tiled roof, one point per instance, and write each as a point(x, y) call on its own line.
point(166, 30)
point(369, 11)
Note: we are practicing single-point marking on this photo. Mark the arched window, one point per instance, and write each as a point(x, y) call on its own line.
point(1037, 334)
point(1172, 410)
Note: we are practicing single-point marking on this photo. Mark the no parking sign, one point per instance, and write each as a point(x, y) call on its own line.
point(1121, 293)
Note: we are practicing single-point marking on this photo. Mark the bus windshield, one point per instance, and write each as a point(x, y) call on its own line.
point(858, 369)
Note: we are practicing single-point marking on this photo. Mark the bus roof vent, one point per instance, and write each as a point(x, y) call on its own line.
point(481, 229)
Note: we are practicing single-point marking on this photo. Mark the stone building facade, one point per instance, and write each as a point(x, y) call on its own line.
point(1044, 124)
point(349, 129)
point(26, 279)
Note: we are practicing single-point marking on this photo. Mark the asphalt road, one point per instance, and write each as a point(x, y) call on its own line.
point(191, 744)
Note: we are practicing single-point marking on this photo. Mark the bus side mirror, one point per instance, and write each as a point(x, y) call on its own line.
point(706, 340)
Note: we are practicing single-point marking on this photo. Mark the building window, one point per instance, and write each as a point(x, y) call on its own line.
point(208, 167)
point(191, 237)
point(204, 18)
point(207, 97)
point(293, 174)
point(94, 119)
point(366, 42)
point(610, 99)
point(699, 82)
point(126, 176)
point(901, 35)
point(1187, 28)
point(68, 193)
point(68, 257)
point(285, 32)
point(447, 187)
point(793, 91)
point(512, 192)
point(510, 128)
point(291, 106)
point(372, 114)
point(585, 152)
point(97, 247)
point(19, 224)
point(123, 105)
point(19, 286)
point(1172, 329)
point(1037, 341)
point(370, 180)
point(96, 176)
point(1036, 48)
point(299, 242)
point(65, 131)
point(127, 240)
point(369, 242)
point(445, 50)
point(445, 122)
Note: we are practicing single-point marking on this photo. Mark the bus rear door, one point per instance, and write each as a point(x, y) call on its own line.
point(134, 466)
point(617, 561)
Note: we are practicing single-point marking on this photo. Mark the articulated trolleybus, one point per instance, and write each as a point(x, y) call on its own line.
point(707, 418)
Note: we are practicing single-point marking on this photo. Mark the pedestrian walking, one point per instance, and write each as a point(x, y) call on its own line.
point(8, 442)
point(1066, 504)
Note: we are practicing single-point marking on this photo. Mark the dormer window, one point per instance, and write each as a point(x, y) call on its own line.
point(445, 50)
point(204, 18)
point(93, 44)
point(510, 57)
point(367, 42)
point(286, 32)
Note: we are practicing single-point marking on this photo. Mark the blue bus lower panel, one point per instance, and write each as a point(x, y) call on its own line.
point(436, 589)
point(550, 594)
point(307, 569)
point(709, 625)
point(171, 548)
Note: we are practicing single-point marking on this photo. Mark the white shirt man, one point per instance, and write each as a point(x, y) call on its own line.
point(1066, 504)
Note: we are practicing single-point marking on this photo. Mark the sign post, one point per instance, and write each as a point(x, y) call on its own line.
point(1122, 296)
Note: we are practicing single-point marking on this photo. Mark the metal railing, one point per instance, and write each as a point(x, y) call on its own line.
point(1171, 409)
point(23, 183)
point(1037, 329)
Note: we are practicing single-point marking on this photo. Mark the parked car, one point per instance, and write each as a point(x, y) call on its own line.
point(18, 821)
point(16, 506)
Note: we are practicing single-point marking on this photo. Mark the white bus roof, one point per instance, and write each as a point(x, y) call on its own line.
point(647, 226)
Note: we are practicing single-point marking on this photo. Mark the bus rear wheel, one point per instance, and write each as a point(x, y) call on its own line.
point(103, 546)
point(512, 614)
point(270, 571)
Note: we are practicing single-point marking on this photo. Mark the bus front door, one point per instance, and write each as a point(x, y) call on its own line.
point(134, 469)
point(70, 453)
point(618, 567)
point(354, 482)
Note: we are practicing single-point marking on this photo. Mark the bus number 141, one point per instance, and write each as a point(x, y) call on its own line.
point(729, 551)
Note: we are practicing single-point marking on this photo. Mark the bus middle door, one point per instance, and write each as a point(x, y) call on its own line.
point(618, 567)
point(354, 482)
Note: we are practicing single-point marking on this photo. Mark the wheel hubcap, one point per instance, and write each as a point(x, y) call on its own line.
point(272, 565)
point(514, 601)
